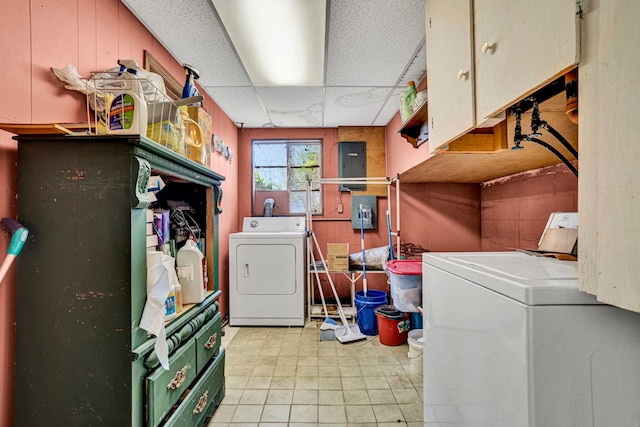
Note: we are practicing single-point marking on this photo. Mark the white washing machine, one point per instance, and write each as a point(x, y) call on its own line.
point(510, 341)
point(267, 272)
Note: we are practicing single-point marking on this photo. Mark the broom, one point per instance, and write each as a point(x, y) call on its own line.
point(19, 236)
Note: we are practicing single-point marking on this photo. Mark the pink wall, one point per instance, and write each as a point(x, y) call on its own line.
point(91, 35)
point(515, 209)
point(434, 216)
point(498, 215)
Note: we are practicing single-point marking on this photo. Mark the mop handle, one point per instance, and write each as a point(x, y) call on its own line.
point(343, 318)
point(315, 271)
point(364, 264)
point(391, 255)
point(6, 264)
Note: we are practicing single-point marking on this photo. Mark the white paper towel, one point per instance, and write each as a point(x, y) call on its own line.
point(158, 287)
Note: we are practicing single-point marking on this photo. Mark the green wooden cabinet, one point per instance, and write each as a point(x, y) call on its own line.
point(81, 357)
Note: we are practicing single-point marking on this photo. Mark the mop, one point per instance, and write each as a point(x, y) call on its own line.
point(19, 236)
point(391, 255)
point(346, 333)
point(364, 264)
point(329, 323)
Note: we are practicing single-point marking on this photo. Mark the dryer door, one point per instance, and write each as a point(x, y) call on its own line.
point(266, 269)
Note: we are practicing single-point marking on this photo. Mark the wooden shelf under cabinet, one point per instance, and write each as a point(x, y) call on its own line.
point(412, 128)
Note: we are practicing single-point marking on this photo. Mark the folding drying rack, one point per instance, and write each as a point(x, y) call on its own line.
point(314, 310)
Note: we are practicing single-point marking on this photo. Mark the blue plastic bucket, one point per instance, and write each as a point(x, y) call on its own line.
point(416, 320)
point(365, 306)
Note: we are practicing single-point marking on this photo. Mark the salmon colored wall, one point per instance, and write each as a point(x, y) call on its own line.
point(401, 155)
point(434, 216)
point(91, 35)
point(515, 209)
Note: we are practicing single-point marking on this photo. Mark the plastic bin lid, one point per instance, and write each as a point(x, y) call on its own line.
point(389, 312)
point(405, 267)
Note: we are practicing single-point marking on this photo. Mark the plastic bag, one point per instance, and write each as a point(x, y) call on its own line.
point(375, 258)
point(152, 84)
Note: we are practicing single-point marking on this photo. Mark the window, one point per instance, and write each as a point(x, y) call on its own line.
point(281, 169)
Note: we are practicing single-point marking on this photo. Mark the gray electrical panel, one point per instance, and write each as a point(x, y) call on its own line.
point(369, 211)
point(352, 163)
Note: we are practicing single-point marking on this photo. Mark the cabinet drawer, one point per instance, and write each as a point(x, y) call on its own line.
point(203, 398)
point(164, 388)
point(208, 342)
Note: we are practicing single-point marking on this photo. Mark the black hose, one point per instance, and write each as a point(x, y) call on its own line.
point(556, 152)
point(562, 140)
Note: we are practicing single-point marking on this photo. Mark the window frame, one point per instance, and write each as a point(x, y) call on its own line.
point(257, 210)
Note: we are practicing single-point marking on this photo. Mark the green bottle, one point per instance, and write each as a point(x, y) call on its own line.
point(407, 97)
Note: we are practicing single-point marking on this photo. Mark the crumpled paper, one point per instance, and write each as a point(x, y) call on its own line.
point(161, 275)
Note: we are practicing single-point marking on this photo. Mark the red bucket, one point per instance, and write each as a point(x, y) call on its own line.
point(393, 325)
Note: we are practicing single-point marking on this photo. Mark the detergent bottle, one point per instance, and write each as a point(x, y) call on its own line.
point(406, 100)
point(191, 267)
point(127, 109)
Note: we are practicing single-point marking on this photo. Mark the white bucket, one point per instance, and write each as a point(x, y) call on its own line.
point(416, 346)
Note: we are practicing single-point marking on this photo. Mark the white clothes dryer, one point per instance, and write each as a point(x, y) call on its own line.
point(267, 272)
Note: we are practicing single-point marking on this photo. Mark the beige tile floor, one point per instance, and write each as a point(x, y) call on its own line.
point(284, 376)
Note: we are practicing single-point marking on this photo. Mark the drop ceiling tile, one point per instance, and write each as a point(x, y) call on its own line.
point(293, 106)
point(241, 104)
point(193, 35)
point(417, 69)
point(366, 50)
point(389, 109)
point(354, 106)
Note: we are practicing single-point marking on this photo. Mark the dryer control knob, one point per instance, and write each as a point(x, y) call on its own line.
point(254, 224)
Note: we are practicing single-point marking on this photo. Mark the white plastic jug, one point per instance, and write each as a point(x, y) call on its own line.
point(126, 108)
point(191, 268)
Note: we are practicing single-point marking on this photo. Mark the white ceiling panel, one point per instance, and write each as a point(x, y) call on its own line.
point(293, 107)
point(360, 104)
point(372, 41)
point(240, 104)
point(374, 48)
point(389, 109)
point(189, 29)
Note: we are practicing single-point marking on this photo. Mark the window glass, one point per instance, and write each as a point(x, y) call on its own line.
point(281, 170)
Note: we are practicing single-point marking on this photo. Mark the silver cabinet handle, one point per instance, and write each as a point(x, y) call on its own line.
point(463, 74)
point(246, 270)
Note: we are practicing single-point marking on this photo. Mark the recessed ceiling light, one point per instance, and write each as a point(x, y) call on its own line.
point(280, 42)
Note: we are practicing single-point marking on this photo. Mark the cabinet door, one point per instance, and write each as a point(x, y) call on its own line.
point(520, 45)
point(449, 70)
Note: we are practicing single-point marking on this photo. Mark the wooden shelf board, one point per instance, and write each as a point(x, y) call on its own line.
point(474, 167)
point(44, 128)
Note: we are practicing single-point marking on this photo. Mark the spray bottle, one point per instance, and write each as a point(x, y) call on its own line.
point(190, 89)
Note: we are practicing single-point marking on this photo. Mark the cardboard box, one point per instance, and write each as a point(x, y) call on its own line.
point(338, 256)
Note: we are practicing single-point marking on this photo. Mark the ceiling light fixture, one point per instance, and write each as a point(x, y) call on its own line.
point(280, 42)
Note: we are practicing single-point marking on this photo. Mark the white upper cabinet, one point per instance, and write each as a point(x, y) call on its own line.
point(449, 70)
point(520, 45)
point(485, 55)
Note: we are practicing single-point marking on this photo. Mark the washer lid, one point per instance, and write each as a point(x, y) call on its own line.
point(526, 278)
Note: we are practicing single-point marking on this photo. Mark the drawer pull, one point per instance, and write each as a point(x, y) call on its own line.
point(202, 402)
point(178, 379)
point(211, 342)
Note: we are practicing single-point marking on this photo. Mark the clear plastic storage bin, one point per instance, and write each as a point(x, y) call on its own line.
point(405, 278)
